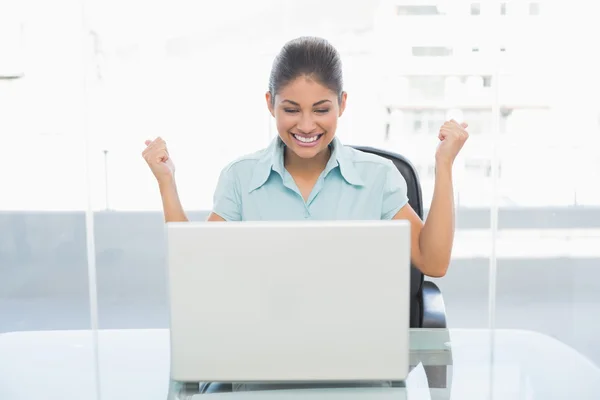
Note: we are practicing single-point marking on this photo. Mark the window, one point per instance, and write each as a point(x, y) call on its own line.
point(534, 8)
point(481, 168)
point(431, 51)
point(417, 10)
point(174, 73)
point(417, 124)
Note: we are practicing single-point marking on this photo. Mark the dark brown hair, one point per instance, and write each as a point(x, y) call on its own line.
point(307, 56)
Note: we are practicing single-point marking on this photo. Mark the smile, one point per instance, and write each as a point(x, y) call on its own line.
point(307, 140)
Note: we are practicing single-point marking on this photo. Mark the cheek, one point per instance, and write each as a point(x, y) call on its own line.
point(330, 122)
point(284, 121)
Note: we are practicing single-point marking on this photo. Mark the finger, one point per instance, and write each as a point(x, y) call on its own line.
point(464, 125)
point(157, 140)
point(156, 145)
point(162, 156)
point(147, 142)
point(150, 148)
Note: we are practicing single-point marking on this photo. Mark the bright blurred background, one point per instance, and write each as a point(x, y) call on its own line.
point(523, 74)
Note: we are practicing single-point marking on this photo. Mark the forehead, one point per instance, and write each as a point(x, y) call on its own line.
point(305, 89)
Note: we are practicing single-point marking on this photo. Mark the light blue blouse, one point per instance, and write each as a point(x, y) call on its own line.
point(354, 186)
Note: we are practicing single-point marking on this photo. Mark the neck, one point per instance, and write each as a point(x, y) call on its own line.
point(315, 165)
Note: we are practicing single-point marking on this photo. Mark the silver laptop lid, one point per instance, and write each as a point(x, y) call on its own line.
point(289, 301)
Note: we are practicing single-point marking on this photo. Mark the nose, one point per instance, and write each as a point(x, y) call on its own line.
point(306, 124)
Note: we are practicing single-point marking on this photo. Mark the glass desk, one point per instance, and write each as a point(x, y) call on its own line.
point(448, 364)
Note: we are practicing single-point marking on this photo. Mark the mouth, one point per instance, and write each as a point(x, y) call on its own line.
point(307, 141)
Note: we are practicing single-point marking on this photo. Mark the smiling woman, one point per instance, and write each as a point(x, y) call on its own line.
point(307, 123)
point(306, 98)
point(307, 173)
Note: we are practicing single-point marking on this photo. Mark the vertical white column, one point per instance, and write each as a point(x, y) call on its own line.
point(89, 212)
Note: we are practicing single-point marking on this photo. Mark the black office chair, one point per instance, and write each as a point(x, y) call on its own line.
point(427, 308)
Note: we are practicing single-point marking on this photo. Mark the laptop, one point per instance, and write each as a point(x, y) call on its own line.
point(289, 301)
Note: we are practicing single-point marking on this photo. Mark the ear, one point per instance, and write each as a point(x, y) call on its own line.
point(270, 99)
point(343, 103)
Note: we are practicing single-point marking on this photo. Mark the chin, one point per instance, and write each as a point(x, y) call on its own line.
point(306, 153)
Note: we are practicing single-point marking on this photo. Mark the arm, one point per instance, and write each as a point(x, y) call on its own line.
point(437, 236)
point(431, 242)
point(157, 156)
point(215, 218)
point(172, 208)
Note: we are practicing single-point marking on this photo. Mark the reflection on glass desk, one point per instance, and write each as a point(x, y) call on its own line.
point(448, 364)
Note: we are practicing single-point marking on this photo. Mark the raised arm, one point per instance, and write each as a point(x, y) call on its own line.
point(432, 241)
point(161, 164)
point(157, 156)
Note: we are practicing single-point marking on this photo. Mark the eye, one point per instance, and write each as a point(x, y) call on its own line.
point(322, 111)
point(290, 110)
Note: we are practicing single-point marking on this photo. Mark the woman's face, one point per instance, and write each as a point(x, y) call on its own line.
point(306, 114)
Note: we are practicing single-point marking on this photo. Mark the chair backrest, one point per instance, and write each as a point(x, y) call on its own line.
point(415, 199)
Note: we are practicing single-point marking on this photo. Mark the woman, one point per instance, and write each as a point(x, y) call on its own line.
point(307, 173)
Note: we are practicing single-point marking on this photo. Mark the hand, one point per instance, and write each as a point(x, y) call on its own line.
point(452, 138)
point(157, 157)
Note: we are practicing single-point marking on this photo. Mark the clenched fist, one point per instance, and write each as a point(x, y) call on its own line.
point(157, 157)
point(452, 138)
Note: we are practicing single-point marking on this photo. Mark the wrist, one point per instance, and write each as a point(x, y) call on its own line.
point(167, 185)
point(443, 166)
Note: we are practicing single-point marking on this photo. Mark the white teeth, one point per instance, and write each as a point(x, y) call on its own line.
point(307, 140)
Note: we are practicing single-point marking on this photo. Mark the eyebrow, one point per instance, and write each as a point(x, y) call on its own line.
point(318, 103)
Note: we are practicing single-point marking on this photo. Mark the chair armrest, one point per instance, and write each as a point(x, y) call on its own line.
point(434, 316)
point(182, 390)
point(215, 387)
point(434, 310)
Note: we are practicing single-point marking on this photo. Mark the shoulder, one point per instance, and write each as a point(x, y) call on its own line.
point(369, 163)
point(375, 171)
